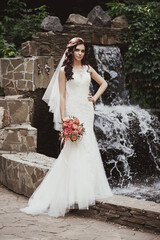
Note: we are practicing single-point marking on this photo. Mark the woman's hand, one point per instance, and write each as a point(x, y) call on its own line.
point(91, 98)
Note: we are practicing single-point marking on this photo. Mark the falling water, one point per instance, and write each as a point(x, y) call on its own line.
point(110, 66)
point(128, 136)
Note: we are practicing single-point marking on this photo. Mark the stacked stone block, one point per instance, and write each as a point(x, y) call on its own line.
point(23, 172)
point(19, 75)
point(16, 132)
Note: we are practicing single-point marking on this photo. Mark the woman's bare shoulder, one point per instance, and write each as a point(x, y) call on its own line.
point(62, 69)
point(90, 69)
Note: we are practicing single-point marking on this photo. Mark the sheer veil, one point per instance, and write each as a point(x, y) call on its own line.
point(51, 96)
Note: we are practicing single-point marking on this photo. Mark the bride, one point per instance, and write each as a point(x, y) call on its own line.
point(77, 178)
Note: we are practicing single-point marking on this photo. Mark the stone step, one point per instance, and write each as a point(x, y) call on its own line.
point(19, 109)
point(19, 138)
point(22, 173)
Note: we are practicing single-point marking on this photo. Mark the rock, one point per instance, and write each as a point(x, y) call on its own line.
point(4, 117)
point(52, 23)
point(119, 22)
point(10, 88)
point(98, 17)
point(29, 48)
point(78, 19)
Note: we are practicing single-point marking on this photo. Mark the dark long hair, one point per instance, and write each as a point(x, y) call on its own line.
point(68, 62)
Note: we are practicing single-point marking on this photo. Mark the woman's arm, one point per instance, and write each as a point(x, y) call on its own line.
point(62, 92)
point(103, 85)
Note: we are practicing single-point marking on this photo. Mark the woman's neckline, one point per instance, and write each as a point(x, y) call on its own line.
point(78, 70)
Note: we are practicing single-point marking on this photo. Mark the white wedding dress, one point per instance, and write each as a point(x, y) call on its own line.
point(77, 177)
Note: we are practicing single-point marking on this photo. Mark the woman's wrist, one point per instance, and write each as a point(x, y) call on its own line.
point(94, 99)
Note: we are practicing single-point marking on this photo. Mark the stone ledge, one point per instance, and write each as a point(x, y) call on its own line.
point(19, 109)
point(23, 172)
point(127, 211)
point(42, 42)
point(19, 138)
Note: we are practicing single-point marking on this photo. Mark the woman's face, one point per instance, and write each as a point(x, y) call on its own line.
point(79, 52)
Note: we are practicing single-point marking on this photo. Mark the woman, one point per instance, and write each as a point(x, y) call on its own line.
point(77, 177)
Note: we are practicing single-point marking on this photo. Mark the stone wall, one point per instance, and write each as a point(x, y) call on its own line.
point(54, 44)
point(35, 69)
point(16, 133)
point(127, 211)
point(25, 74)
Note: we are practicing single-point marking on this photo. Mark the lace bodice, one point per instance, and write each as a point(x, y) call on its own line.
point(78, 88)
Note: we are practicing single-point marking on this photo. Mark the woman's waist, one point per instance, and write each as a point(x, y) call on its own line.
point(82, 106)
point(76, 98)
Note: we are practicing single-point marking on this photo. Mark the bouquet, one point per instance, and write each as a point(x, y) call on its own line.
point(71, 129)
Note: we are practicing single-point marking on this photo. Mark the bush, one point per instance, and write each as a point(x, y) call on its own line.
point(142, 38)
point(17, 25)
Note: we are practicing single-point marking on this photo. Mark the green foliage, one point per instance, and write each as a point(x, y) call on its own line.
point(7, 49)
point(142, 57)
point(18, 25)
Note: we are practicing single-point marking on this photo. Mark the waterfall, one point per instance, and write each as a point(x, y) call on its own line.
point(128, 136)
point(110, 66)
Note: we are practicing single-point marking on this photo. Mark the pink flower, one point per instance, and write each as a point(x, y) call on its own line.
point(76, 120)
point(66, 119)
point(80, 128)
point(74, 138)
point(70, 130)
point(75, 132)
point(71, 122)
point(65, 132)
point(65, 124)
point(75, 126)
point(69, 125)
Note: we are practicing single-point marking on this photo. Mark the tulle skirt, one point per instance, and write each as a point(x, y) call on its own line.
point(77, 177)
